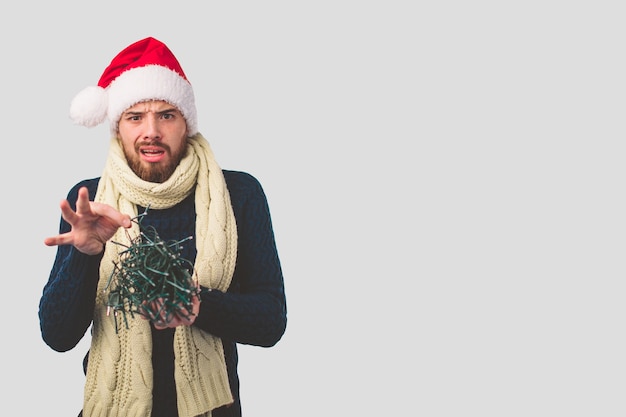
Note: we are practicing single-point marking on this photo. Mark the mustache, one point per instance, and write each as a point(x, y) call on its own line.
point(154, 143)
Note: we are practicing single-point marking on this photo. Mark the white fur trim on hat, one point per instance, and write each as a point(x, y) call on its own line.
point(151, 82)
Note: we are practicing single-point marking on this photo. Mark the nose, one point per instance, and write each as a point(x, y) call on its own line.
point(152, 131)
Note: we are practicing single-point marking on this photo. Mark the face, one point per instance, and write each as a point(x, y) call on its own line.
point(153, 135)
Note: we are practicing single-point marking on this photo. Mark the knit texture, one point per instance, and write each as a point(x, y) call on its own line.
point(119, 374)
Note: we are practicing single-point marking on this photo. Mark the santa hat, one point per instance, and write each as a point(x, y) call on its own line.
point(146, 70)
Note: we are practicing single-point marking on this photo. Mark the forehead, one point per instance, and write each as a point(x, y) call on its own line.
point(150, 106)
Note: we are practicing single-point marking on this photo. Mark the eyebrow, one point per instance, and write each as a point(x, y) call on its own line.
point(168, 110)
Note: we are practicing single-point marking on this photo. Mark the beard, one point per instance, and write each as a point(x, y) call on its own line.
point(157, 173)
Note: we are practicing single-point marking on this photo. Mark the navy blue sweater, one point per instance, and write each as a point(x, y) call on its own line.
point(252, 311)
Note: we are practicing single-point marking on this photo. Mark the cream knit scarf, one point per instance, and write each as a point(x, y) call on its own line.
point(119, 374)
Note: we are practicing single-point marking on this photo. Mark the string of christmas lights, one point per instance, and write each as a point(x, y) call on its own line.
point(151, 278)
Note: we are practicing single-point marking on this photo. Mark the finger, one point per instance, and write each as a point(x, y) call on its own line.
point(63, 239)
point(82, 202)
point(156, 311)
point(148, 310)
point(186, 317)
point(67, 213)
point(114, 216)
point(159, 326)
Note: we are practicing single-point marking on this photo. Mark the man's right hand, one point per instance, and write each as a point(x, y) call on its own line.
point(93, 224)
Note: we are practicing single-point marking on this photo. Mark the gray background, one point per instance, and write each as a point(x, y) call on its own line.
point(445, 181)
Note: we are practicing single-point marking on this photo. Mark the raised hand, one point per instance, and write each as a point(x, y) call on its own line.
point(93, 224)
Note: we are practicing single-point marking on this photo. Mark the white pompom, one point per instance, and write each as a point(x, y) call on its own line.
point(89, 107)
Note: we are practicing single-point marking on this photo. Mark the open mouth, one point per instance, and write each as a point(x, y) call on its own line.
point(152, 153)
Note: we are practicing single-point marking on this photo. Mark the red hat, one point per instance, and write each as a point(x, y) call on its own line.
point(146, 70)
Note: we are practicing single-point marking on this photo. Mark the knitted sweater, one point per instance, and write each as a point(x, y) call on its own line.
point(252, 311)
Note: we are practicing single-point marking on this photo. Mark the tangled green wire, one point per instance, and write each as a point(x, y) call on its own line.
point(151, 278)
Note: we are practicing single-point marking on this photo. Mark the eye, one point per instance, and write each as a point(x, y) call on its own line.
point(168, 116)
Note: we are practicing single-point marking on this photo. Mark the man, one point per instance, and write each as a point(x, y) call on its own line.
point(160, 165)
